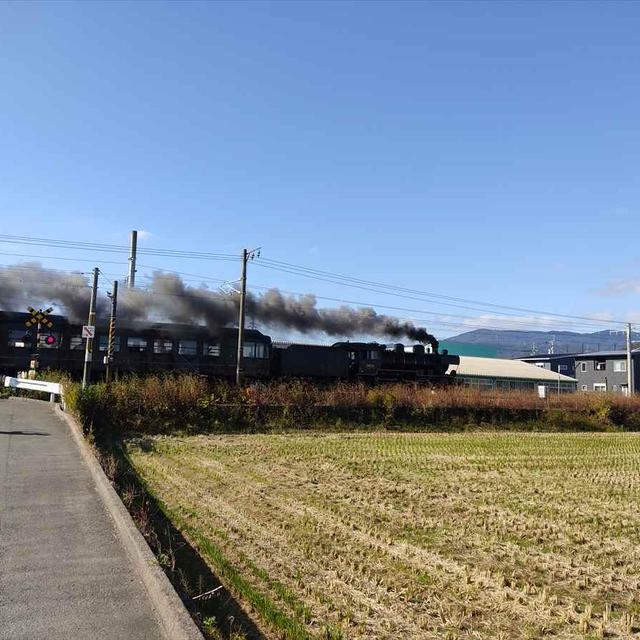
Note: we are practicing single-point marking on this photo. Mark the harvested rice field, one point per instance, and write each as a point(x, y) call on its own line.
point(413, 535)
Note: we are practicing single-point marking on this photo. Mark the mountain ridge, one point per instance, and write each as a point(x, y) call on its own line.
point(512, 343)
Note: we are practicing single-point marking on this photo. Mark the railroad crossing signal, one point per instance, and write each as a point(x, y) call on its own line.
point(39, 317)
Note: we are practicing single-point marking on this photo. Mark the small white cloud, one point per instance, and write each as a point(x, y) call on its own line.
point(620, 287)
point(143, 234)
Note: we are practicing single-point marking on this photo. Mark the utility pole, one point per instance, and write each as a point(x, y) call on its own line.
point(630, 380)
point(243, 293)
point(108, 359)
point(131, 280)
point(88, 352)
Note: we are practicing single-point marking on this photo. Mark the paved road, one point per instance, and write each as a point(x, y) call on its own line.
point(63, 572)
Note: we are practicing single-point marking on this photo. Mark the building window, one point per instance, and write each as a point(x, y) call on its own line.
point(583, 366)
point(539, 364)
point(601, 365)
point(188, 347)
point(162, 346)
point(76, 343)
point(255, 350)
point(103, 341)
point(136, 344)
point(562, 367)
point(599, 386)
point(584, 387)
point(619, 365)
point(211, 349)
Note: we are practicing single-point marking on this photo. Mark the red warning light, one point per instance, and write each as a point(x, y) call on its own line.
point(49, 340)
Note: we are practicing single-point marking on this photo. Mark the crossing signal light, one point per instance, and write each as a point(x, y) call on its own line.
point(49, 340)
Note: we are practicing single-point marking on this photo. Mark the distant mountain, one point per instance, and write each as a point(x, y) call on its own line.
point(513, 344)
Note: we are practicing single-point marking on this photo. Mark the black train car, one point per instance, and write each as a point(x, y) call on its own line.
point(363, 361)
point(309, 361)
point(148, 348)
point(139, 348)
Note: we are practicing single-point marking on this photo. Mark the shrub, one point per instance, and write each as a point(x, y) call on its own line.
point(165, 403)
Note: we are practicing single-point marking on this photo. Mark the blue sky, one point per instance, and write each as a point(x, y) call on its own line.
point(480, 150)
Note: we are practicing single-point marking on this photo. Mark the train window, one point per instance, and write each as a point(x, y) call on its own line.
point(373, 354)
point(162, 346)
point(249, 350)
point(15, 338)
point(255, 350)
point(103, 340)
point(352, 355)
point(136, 345)
point(76, 343)
point(262, 350)
point(187, 347)
point(211, 349)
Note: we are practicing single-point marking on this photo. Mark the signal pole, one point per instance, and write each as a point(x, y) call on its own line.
point(246, 255)
point(112, 331)
point(88, 352)
point(131, 280)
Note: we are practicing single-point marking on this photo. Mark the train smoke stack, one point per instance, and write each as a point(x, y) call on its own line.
point(169, 298)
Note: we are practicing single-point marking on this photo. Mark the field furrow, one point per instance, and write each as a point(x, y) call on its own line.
point(415, 535)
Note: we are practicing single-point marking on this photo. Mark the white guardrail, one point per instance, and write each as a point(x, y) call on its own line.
point(52, 388)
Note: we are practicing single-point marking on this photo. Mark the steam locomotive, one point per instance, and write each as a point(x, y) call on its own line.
point(156, 347)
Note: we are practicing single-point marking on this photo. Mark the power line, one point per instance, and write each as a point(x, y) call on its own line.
point(92, 260)
point(111, 248)
point(320, 275)
point(334, 278)
point(437, 321)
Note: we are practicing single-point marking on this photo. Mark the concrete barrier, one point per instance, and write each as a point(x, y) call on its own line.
point(52, 388)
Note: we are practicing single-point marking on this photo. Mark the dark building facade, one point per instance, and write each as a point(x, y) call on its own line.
point(563, 363)
point(606, 371)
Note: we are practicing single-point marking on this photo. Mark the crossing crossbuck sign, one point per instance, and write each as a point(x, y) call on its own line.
point(39, 317)
point(89, 331)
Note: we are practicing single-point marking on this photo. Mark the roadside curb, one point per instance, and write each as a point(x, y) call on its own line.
point(175, 620)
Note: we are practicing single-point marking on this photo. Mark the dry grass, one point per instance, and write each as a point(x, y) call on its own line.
point(413, 535)
point(155, 404)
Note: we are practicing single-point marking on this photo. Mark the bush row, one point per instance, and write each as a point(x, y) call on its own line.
point(165, 404)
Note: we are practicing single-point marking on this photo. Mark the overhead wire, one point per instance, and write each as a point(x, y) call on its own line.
point(330, 277)
point(111, 248)
point(327, 276)
point(438, 321)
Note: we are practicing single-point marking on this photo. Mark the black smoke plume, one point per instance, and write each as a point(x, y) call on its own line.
point(168, 298)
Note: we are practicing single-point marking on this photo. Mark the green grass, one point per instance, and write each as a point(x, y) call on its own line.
point(379, 535)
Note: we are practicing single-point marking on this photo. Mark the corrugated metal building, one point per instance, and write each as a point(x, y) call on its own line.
point(509, 375)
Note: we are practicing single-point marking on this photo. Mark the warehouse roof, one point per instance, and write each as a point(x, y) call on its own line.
point(503, 368)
